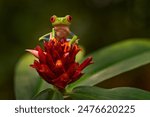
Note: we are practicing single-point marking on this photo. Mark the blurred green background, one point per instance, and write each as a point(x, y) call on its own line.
point(98, 23)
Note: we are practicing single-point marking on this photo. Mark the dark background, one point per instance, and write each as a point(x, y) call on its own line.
point(98, 23)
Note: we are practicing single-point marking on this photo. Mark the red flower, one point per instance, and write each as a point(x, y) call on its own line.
point(56, 62)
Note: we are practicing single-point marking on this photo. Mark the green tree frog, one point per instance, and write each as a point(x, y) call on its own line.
point(60, 29)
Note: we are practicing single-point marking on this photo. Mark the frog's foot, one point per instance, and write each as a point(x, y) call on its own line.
point(73, 40)
point(45, 37)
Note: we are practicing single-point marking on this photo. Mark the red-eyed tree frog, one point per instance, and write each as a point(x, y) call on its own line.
point(60, 29)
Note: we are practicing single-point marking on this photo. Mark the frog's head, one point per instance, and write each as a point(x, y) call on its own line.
point(61, 20)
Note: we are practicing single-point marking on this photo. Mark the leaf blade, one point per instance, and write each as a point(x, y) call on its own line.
point(48, 94)
point(27, 81)
point(121, 93)
point(117, 69)
point(109, 58)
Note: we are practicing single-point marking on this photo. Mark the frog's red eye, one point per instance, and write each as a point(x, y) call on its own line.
point(69, 18)
point(52, 19)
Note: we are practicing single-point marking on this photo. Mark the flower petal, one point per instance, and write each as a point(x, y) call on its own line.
point(85, 63)
point(34, 52)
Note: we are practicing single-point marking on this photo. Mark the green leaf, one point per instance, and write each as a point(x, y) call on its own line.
point(114, 60)
point(96, 93)
point(49, 94)
point(27, 81)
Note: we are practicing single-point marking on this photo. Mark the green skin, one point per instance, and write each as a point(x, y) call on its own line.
point(60, 23)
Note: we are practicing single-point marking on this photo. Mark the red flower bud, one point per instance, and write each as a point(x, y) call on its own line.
point(56, 62)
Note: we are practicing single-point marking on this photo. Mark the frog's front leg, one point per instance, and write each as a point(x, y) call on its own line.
point(52, 34)
point(45, 37)
point(74, 38)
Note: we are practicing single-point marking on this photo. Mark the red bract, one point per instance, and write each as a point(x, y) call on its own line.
point(56, 62)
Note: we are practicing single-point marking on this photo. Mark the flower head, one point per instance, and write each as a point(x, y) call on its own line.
point(56, 62)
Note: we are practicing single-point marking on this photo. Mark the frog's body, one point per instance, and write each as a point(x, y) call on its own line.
point(60, 30)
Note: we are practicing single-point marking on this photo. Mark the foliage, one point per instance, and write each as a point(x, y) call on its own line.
point(109, 62)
